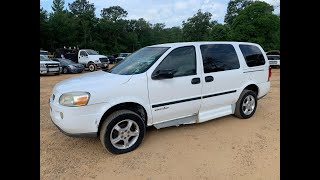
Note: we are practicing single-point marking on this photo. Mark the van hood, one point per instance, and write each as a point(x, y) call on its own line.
point(91, 82)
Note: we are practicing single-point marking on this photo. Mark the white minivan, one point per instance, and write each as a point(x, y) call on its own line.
point(162, 85)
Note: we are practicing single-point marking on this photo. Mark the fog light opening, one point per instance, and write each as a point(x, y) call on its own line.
point(61, 115)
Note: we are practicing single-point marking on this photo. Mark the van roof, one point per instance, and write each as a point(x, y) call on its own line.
point(199, 43)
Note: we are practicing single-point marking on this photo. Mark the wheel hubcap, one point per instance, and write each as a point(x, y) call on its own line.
point(65, 70)
point(91, 67)
point(124, 134)
point(248, 105)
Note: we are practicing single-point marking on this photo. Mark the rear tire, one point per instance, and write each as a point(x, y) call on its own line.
point(246, 105)
point(122, 132)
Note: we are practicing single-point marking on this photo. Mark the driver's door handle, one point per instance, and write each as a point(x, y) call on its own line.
point(208, 78)
point(195, 81)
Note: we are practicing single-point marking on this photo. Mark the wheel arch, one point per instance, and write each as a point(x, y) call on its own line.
point(133, 106)
point(252, 87)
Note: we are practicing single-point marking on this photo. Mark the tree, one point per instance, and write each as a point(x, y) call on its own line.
point(81, 8)
point(85, 20)
point(113, 13)
point(62, 30)
point(197, 27)
point(256, 23)
point(220, 32)
point(234, 6)
point(57, 5)
point(44, 32)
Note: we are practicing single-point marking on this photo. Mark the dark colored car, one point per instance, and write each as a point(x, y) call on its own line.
point(69, 66)
point(111, 58)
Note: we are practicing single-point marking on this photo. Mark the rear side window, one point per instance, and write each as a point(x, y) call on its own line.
point(181, 60)
point(252, 55)
point(219, 57)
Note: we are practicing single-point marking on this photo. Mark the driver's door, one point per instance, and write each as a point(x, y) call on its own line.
point(83, 56)
point(179, 97)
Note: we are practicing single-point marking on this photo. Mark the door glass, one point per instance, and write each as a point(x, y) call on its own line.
point(182, 61)
point(219, 57)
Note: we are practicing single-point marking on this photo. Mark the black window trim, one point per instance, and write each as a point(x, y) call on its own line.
point(220, 44)
point(246, 59)
point(154, 71)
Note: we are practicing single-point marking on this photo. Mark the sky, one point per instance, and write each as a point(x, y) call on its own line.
point(170, 12)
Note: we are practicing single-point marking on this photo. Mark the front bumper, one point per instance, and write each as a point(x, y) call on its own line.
point(77, 70)
point(80, 121)
point(103, 65)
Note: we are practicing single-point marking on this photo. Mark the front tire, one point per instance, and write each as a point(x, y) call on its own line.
point(122, 132)
point(246, 105)
point(92, 67)
point(65, 70)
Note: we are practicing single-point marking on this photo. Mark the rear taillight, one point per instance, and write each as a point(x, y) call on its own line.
point(269, 75)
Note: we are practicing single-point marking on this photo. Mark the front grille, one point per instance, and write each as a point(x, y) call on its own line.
point(103, 59)
point(52, 65)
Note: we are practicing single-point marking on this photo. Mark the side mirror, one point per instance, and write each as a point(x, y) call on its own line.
point(163, 74)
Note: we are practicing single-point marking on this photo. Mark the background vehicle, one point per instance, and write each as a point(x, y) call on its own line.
point(48, 66)
point(122, 56)
point(88, 57)
point(44, 53)
point(69, 66)
point(162, 85)
point(274, 60)
point(112, 59)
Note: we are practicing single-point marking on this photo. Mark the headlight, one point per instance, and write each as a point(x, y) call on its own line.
point(42, 65)
point(74, 99)
point(71, 66)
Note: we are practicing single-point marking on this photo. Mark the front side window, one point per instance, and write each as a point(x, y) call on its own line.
point(182, 61)
point(252, 55)
point(219, 57)
point(83, 53)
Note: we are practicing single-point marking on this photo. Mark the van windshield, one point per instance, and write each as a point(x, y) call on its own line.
point(43, 58)
point(139, 61)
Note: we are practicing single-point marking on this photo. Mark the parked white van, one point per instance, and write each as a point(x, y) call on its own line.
point(162, 85)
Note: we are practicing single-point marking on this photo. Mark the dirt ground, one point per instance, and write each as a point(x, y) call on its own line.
point(225, 148)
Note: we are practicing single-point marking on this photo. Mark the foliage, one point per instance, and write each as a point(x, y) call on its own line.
point(197, 28)
point(112, 33)
point(256, 23)
point(233, 9)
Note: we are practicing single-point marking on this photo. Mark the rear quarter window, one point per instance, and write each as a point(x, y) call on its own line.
point(252, 54)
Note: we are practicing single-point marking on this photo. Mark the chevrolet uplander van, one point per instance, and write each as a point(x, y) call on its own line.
point(162, 85)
